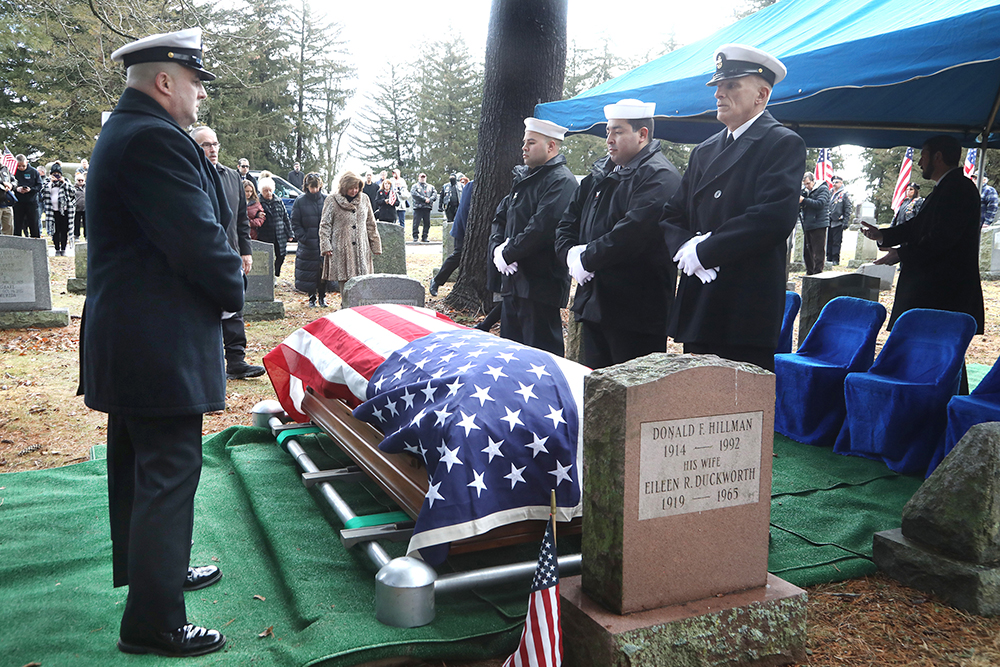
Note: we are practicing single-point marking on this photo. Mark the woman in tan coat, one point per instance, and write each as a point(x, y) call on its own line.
point(348, 235)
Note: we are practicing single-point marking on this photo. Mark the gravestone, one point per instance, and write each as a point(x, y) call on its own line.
point(25, 292)
point(677, 463)
point(259, 302)
point(989, 253)
point(949, 542)
point(448, 247)
point(818, 289)
point(865, 251)
point(574, 340)
point(797, 263)
point(382, 288)
point(78, 285)
point(393, 257)
point(885, 273)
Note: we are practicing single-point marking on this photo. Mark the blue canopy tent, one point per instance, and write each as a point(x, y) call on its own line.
point(876, 73)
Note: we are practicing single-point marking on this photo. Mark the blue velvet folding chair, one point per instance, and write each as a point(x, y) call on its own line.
point(898, 410)
point(792, 304)
point(964, 412)
point(809, 384)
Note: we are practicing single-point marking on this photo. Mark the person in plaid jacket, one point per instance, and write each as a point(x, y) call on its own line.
point(59, 199)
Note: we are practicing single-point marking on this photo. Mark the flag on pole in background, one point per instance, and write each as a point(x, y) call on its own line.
point(905, 171)
point(9, 161)
point(824, 167)
point(970, 164)
point(541, 640)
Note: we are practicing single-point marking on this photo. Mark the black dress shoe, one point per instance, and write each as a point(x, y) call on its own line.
point(434, 288)
point(242, 370)
point(201, 577)
point(183, 642)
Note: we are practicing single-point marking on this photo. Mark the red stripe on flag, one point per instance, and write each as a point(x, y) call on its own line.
point(905, 170)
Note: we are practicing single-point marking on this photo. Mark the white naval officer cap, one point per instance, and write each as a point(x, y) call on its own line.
point(182, 47)
point(733, 61)
point(546, 128)
point(630, 110)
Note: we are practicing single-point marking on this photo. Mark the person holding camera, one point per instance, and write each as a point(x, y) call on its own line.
point(59, 199)
point(814, 207)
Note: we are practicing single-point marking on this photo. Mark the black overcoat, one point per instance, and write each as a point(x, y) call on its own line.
point(615, 214)
point(528, 217)
point(160, 270)
point(939, 252)
point(748, 197)
point(276, 228)
point(306, 212)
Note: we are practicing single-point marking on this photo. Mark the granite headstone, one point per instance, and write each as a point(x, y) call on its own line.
point(448, 247)
point(25, 293)
point(393, 257)
point(260, 303)
point(818, 289)
point(382, 288)
point(949, 542)
point(989, 253)
point(885, 273)
point(78, 285)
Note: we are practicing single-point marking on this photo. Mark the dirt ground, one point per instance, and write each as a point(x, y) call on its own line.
point(870, 621)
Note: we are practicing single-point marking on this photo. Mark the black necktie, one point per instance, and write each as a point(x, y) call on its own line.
point(729, 141)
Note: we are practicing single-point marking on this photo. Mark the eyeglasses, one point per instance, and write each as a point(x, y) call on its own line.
point(209, 144)
point(244, 166)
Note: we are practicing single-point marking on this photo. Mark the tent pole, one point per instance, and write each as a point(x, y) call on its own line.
point(984, 140)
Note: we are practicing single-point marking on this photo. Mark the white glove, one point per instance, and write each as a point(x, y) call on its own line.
point(502, 266)
point(706, 275)
point(580, 274)
point(687, 257)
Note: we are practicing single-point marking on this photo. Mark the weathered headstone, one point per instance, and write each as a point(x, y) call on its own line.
point(25, 293)
point(818, 289)
point(989, 253)
point(677, 463)
point(949, 542)
point(885, 273)
point(382, 288)
point(574, 340)
point(865, 251)
point(797, 263)
point(259, 302)
point(78, 285)
point(393, 257)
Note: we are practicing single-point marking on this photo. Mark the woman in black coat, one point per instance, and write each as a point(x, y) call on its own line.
point(385, 202)
point(276, 228)
point(306, 212)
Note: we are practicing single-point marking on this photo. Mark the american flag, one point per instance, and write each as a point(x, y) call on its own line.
point(541, 640)
point(970, 164)
point(496, 424)
point(824, 167)
point(337, 354)
point(9, 161)
point(905, 170)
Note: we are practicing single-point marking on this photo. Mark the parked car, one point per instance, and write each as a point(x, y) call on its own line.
point(283, 189)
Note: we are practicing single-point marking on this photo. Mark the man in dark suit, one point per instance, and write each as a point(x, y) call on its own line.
point(534, 284)
point(814, 203)
point(937, 249)
point(238, 232)
point(161, 272)
point(727, 225)
point(609, 240)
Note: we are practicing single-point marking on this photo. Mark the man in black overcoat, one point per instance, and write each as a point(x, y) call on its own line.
point(534, 283)
point(938, 248)
point(160, 274)
point(727, 224)
point(609, 240)
point(234, 335)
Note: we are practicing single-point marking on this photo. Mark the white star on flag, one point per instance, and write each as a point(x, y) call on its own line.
point(555, 416)
point(483, 394)
point(497, 372)
point(450, 457)
point(408, 398)
point(506, 356)
point(493, 449)
point(537, 445)
point(478, 484)
point(468, 423)
point(432, 493)
point(442, 414)
point(561, 473)
point(512, 418)
point(428, 392)
point(454, 387)
point(515, 475)
point(526, 391)
point(391, 405)
point(538, 371)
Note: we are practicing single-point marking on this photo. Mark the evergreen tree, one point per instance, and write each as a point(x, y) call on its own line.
point(448, 99)
point(383, 128)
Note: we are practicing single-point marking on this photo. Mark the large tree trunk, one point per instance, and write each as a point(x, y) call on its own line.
point(525, 66)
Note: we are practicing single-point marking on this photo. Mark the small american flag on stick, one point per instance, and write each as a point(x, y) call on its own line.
point(905, 170)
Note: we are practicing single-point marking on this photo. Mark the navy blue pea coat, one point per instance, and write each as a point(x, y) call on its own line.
point(160, 269)
point(748, 197)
